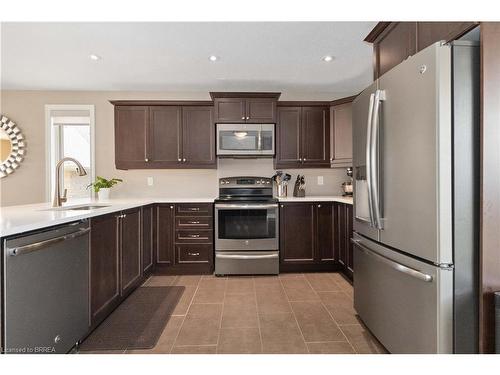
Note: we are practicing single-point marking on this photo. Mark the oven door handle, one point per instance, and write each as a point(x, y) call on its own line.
point(242, 256)
point(229, 206)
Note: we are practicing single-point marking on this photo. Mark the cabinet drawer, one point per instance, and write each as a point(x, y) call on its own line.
point(190, 209)
point(191, 222)
point(194, 253)
point(194, 236)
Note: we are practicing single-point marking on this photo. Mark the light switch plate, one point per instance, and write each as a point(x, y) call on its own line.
point(320, 180)
point(150, 181)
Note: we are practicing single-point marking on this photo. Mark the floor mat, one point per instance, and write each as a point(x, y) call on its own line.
point(138, 322)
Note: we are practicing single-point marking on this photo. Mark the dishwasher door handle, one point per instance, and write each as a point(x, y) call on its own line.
point(21, 250)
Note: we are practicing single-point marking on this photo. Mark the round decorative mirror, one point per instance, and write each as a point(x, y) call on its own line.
point(12, 146)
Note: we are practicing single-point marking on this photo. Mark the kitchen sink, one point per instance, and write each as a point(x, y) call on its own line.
point(85, 207)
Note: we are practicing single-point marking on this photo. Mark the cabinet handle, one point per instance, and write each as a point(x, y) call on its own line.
point(179, 159)
point(194, 222)
point(193, 208)
point(171, 207)
point(300, 159)
point(282, 206)
point(124, 215)
point(243, 118)
point(146, 160)
point(194, 235)
point(248, 117)
point(194, 254)
point(184, 160)
point(304, 159)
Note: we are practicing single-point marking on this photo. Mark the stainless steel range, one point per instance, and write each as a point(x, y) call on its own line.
point(246, 227)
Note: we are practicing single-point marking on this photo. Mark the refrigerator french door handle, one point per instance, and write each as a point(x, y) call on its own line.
point(394, 265)
point(374, 160)
point(368, 158)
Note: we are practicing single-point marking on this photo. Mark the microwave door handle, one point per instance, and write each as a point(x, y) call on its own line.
point(374, 159)
point(368, 158)
point(259, 140)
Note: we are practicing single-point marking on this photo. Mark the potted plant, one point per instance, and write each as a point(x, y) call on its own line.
point(102, 186)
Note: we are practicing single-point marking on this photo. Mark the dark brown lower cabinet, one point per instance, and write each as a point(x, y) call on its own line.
point(184, 238)
point(115, 260)
point(343, 234)
point(306, 237)
point(130, 246)
point(104, 266)
point(147, 239)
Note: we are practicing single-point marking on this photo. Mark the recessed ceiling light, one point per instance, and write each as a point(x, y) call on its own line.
point(328, 58)
point(213, 58)
point(94, 57)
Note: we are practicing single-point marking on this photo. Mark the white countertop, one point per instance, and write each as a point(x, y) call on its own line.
point(319, 198)
point(19, 219)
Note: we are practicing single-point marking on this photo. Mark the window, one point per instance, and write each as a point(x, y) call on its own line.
point(70, 131)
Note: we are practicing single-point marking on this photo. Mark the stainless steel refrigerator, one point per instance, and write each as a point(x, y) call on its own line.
point(415, 133)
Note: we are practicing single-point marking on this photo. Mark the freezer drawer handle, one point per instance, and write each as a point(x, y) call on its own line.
point(397, 266)
point(42, 244)
point(237, 256)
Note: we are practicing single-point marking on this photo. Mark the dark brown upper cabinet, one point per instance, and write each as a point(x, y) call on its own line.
point(396, 46)
point(245, 107)
point(393, 42)
point(198, 136)
point(431, 32)
point(341, 135)
point(303, 137)
point(164, 135)
point(131, 136)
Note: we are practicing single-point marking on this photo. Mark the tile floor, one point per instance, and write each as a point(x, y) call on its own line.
point(289, 313)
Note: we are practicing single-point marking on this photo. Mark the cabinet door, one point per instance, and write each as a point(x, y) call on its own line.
point(399, 42)
point(349, 229)
point(104, 266)
point(260, 110)
point(315, 134)
point(340, 233)
point(230, 110)
point(324, 232)
point(198, 131)
point(431, 32)
point(165, 234)
point(130, 243)
point(147, 238)
point(165, 136)
point(341, 139)
point(288, 137)
point(131, 134)
point(297, 235)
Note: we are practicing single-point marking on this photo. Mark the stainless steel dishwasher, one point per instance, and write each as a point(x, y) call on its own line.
point(46, 289)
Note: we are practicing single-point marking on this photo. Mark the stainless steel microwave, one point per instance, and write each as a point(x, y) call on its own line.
point(245, 140)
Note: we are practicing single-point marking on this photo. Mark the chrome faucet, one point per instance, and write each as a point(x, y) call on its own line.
point(58, 200)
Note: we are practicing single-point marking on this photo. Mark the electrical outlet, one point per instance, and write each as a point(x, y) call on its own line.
point(150, 181)
point(320, 180)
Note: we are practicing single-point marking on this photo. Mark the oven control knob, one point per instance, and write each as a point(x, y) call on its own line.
point(268, 182)
point(246, 242)
point(258, 181)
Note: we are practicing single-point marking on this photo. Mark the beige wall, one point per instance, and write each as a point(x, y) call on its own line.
point(27, 184)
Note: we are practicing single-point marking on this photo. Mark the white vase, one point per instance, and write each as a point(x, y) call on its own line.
point(103, 194)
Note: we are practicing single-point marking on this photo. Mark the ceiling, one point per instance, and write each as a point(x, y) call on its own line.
point(252, 56)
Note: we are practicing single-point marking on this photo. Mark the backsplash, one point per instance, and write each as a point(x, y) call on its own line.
point(332, 178)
